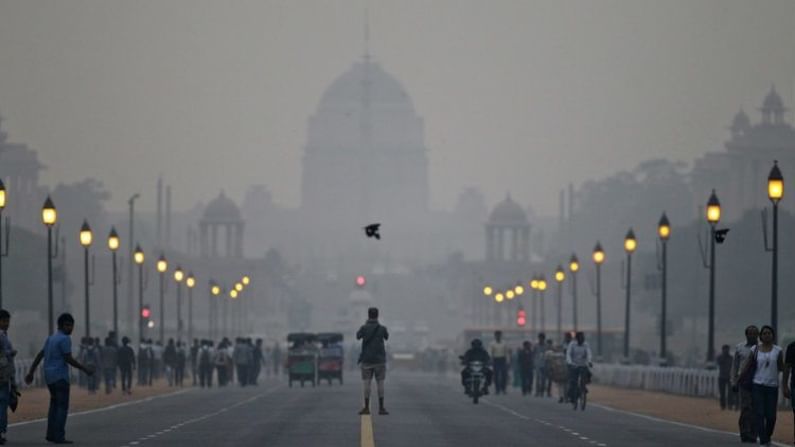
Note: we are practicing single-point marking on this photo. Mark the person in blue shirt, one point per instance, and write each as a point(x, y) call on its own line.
point(57, 356)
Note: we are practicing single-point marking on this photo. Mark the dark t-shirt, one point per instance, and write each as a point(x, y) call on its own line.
point(789, 360)
point(724, 365)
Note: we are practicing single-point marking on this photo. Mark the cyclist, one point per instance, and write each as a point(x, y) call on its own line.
point(578, 360)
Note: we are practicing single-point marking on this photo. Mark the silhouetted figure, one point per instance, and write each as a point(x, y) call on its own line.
point(373, 230)
point(126, 365)
point(110, 361)
point(372, 359)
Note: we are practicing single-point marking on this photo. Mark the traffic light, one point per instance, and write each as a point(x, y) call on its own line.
point(361, 281)
point(521, 318)
point(146, 315)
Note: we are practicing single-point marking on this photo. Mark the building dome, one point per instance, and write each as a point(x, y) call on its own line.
point(508, 212)
point(741, 122)
point(773, 101)
point(222, 209)
point(365, 81)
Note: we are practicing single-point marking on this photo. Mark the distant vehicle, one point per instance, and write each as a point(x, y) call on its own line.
point(302, 358)
point(332, 357)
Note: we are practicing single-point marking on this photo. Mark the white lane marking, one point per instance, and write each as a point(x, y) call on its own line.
point(540, 421)
point(103, 409)
point(215, 413)
point(680, 424)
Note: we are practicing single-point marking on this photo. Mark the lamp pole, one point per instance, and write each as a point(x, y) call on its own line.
point(86, 237)
point(179, 275)
point(190, 281)
point(713, 217)
point(113, 245)
point(598, 259)
point(560, 276)
point(664, 232)
point(630, 244)
point(49, 216)
point(574, 267)
point(138, 257)
point(3, 248)
point(162, 266)
point(775, 191)
point(131, 255)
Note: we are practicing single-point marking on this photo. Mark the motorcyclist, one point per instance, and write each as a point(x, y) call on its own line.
point(476, 353)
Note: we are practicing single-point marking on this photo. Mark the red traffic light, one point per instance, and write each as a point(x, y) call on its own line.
point(361, 281)
point(146, 313)
point(521, 318)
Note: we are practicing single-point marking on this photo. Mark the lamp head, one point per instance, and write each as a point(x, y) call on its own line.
point(179, 275)
point(574, 263)
point(487, 290)
point(162, 264)
point(190, 281)
point(713, 208)
point(246, 280)
point(86, 236)
point(113, 239)
point(138, 256)
point(630, 243)
point(560, 274)
point(2, 195)
point(664, 228)
point(598, 254)
point(49, 215)
point(775, 184)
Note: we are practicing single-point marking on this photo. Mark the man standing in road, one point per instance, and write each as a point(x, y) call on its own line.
point(741, 355)
point(372, 359)
point(724, 361)
point(57, 356)
point(126, 365)
point(499, 358)
point(8, 383)
point(540, 365)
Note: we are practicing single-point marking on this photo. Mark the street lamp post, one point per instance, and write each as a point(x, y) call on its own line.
point(179, 275)
point(212, 317)
point(560, 276)
point(3, 249)
point(113, 245)
point(713, 217)
point(542, 287)
point(598, 259)
point(86, 237)
point(190, 281)
point(664, 232)
point(162, 266)
point(630, 244)
point(49, 216)
point(131, 255)
point(138, 257)
point(775, 192)
point(574, 267)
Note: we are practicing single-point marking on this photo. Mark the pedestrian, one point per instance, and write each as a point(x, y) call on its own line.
point(170, 361)
point(499, 357)
point(181, 363)
point(194, 364)
point(742, 352)
point(110, 361)
point(205, 363)
point(526, 361)
point(91, 359)
point(221, 358)
point(788, 379)
point(372, 359)
point(259, 361)
point(724, 362)
point(243, 357)
point(550, 348)
point(540, 365)
point(126, 361)
point(8, 383)
point(768, 361)
point(143, 362)
point(57, 356)
point(157, 360)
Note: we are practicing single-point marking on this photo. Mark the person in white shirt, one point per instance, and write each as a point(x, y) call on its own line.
point(499, 358)
point(578, 358)
point(769, 360)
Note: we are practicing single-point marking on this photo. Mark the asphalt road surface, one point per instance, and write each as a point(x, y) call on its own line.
point(425, 411)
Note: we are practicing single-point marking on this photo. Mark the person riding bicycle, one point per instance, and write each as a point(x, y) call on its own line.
point(476, 353)
point(578, 359)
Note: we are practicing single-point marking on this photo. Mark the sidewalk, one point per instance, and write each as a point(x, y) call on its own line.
point(688, 410)
point(35, 401)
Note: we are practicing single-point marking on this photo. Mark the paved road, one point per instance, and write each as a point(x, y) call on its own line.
point(427, 411)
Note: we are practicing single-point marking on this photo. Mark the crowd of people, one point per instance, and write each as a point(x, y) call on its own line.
point(205, 362)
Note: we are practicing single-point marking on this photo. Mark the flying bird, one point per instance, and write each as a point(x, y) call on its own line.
point(372, 230)
point(720, 235)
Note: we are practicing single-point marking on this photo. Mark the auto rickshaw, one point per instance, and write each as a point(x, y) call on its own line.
point(331, 358)
point(302, 358)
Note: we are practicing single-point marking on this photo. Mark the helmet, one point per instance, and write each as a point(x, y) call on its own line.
point(476, 343)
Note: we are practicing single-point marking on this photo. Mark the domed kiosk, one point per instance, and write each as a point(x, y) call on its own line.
point(221, 214)
point(508, 233)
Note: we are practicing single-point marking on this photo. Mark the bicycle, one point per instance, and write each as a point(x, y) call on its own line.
point(580, 397)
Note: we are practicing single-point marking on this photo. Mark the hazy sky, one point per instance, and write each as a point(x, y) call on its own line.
point(516, 95)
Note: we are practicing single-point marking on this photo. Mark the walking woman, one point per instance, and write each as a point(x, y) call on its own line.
point(764, 391)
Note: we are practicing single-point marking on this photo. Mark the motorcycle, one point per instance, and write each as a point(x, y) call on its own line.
point(475, 381)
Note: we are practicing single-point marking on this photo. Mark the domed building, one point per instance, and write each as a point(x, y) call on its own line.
point(221, 215)
point(739, 173)
point(508, 233)
point(365, 150)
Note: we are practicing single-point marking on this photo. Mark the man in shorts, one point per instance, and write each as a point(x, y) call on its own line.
point(372, 359)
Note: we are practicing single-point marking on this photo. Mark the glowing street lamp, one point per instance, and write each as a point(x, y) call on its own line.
point(499, 297)
point(190, 282)
point(246, 280)
point(162, 267)
point(113, 246)
point(560, 276)
point(488, 291)
point(3, 248)
point(49, 217)
point(713, 217)
point(664, 232)
point(775, 192)
point(138, 257)
point(239, 287)
point(630, 245)
point(179, 275)
point(574, 267)
point(86, 237)
point(598, 257)
point(510, 294)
